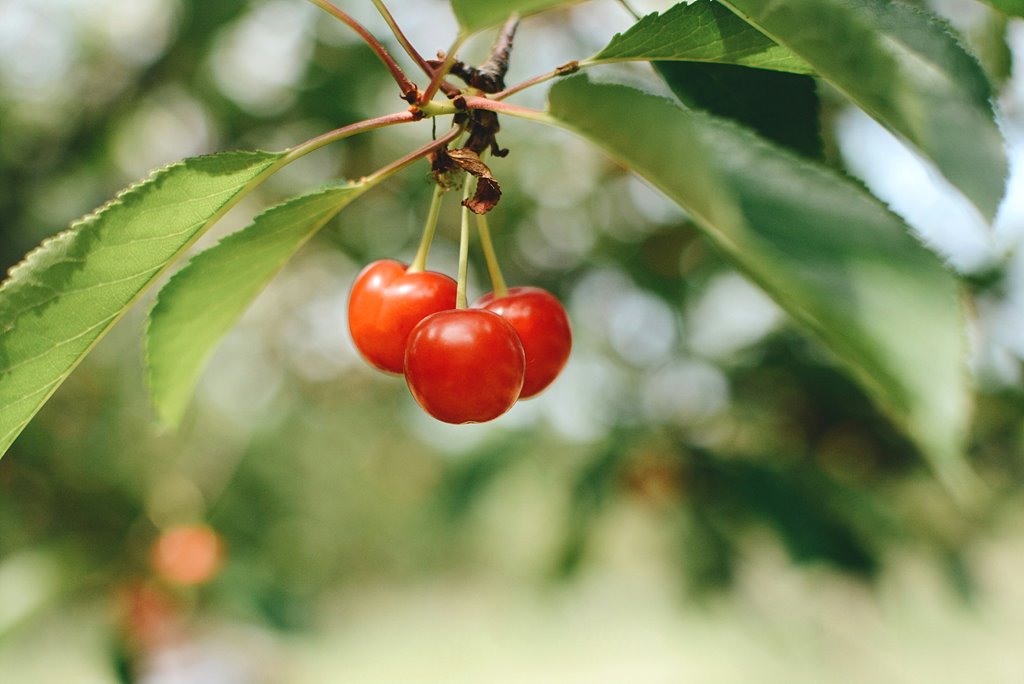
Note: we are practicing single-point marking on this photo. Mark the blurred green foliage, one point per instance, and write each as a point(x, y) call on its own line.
point(320, 474)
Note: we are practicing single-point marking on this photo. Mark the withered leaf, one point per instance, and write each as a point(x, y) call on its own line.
point(487, 194)
point(488, 191)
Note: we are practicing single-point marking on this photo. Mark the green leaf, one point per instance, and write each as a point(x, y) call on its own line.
point(65, 295)
point(474, 15)
point(1011, 7)
point(905, 68)
point(204, 299)
point(702, 32)
point(781, 107)
point(989, 40)
point(829, 253)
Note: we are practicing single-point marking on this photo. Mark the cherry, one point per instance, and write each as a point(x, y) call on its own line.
point(543, 327)
point(465, 365)
point(150, 615)
point(187, 554)
point(387, 302)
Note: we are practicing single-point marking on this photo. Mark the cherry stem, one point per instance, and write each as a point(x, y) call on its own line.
point(429, 228)
point(442, 71)
point(490, 256)
point(564, 70)
point(402, 40)
point(409, 90)
point(493, 268)
point(460, 293)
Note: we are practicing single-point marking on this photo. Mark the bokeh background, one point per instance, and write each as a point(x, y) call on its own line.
point(701, 497)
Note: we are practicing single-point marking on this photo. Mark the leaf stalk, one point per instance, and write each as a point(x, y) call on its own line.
point(337, 134)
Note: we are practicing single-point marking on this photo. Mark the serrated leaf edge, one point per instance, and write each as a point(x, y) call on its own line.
point(683, 7)
point(959, 479)
point(944, 27)
point(85, 222)
point(169, 288)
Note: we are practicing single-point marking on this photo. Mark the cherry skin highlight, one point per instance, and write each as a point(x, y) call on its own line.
point(465, 365)
point(543, 327)
point(387, 302)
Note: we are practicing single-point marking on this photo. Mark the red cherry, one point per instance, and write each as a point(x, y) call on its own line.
point(187, 554)
point(385, 305)
point(465, 365)
point(543, 327)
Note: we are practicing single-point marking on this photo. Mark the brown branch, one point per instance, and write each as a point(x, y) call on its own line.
point(489, 77)
point(496, 66)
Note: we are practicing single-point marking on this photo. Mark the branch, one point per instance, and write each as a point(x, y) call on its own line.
point(402, 40)
point(564, 70)
point(477, 102)
point(489, 77)
point(496, 66)
point(417, 154)
point(345, 131)
point(427, 66)
point(442, 71)
point(410, 92)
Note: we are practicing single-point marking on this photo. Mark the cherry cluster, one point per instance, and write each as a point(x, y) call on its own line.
point(462, 365)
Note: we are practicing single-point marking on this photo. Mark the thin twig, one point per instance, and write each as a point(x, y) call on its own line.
point(410, 92)
point(424, 64)
point(477, 102)
point(489, 77)
point(416, 154)
point(442, 70)
point(319, 141)
point(402, 40)
point(496, 65)
point(564, 70)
